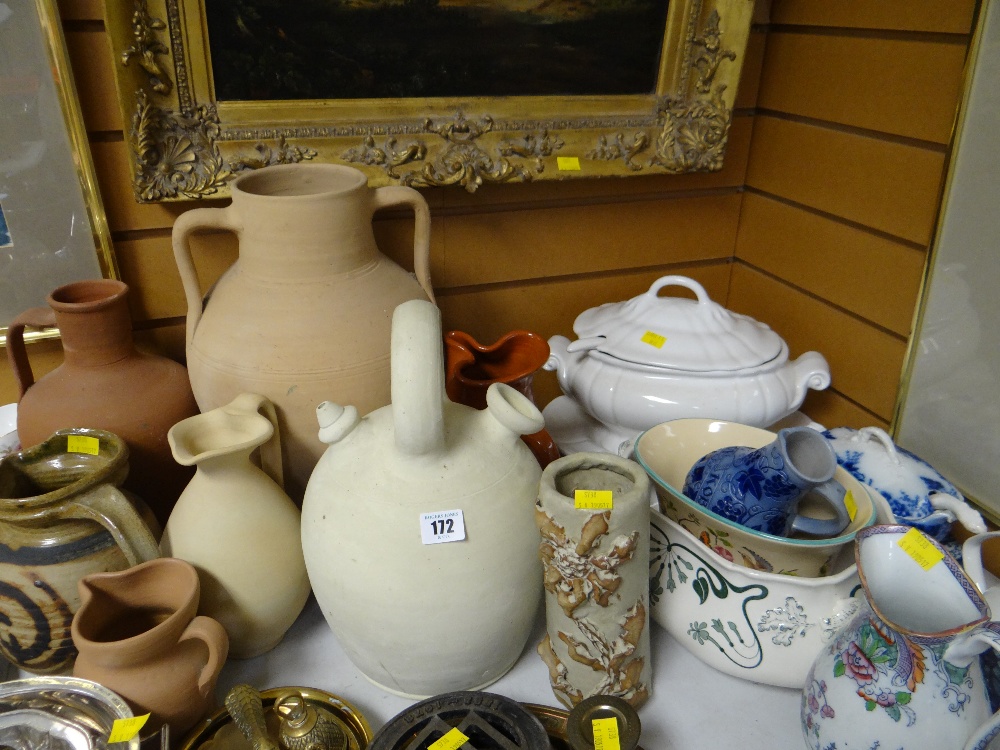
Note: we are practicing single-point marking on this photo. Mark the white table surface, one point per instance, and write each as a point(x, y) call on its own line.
point(693, 707)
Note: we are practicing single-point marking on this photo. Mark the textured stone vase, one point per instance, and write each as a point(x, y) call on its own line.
point(304, 314)
point(138, 634)
point(105, 383)
point(236, 524)
point(62, 517)
point(596, 562)
point(471, 368)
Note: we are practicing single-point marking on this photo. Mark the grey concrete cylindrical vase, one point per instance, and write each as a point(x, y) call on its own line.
point(596, 562)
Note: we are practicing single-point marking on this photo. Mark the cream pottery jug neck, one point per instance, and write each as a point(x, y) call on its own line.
point(223, 438)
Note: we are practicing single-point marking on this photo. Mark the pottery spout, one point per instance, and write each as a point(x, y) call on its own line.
point(417, 378)
point(509, 413)
point(335, 421)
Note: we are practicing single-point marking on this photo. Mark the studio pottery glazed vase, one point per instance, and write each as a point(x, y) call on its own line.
point(593, 515)
point(471, 368)
point(237, 526)
point(304, 314)
point(105, 383)
point(417, 525)
point(905, 672)
point(62, 517)
point(138, 634)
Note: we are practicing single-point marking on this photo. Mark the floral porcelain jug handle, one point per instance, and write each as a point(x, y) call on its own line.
point(961, 653)
point(185, 224)
point(109, 507)
point(972, 561)
point(270, 452)
point(399, 195)
point(40, 317)
point(213, 635)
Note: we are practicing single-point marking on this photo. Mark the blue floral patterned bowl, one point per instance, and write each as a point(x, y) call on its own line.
point(916, 492)
point(668, 451)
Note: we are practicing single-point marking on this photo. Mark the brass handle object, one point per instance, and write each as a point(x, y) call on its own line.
point(244, 706)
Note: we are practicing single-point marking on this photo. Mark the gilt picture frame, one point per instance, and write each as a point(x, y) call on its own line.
point(53, 228)
point(500, 123)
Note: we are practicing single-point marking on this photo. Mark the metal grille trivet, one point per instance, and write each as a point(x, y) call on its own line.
point(490, 721)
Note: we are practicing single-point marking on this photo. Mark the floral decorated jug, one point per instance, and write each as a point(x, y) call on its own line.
point(237, 526)
point(105, 383)
point(139, 634)
point(304, 313)
point(471, 368)
point(905, 672)
point(62, 517)
point(418, 525)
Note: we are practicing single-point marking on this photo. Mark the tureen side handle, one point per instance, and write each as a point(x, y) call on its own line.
point(559, 360)
point(810, 371)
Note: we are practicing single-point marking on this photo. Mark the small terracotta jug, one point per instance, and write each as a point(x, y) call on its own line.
point(138, 635)
point(62, 516)
point(471, 368)
point(236, 524)
point(105, 383)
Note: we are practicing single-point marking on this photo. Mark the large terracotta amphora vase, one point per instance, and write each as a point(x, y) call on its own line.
point(304, 313)
point(105, 383)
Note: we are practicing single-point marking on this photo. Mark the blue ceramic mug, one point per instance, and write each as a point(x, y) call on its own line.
point(760, 488)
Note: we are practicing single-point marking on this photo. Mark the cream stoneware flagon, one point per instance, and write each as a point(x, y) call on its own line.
point(420, 607)
point(303, 315)
point(236, 525)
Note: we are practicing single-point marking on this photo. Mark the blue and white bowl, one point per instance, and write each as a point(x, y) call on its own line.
point(917, 493)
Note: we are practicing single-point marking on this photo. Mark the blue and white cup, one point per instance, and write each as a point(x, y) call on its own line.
point(760, 488)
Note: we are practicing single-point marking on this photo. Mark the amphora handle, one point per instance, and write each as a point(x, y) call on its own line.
point(270, 451)
point(184, 226)
point(400, 195)
point(17, 354)
point(108, 506)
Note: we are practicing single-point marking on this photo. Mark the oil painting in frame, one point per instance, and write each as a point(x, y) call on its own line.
point(390, 93)
point(53, 229)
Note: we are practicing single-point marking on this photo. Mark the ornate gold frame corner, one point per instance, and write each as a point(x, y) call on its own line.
point(185, 145)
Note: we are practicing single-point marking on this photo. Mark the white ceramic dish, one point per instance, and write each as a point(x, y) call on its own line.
point(918, 494)
point(651, 359)
point(667, 453)
point(762, 627)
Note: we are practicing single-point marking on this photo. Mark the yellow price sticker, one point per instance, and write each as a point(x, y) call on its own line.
point(654, 339)
point(851, 504)
point(451, 740)
point(125, 729)
point(83, 444)
point(920, 548)
point(606, 734)
point(568, 163)
point(599, 499)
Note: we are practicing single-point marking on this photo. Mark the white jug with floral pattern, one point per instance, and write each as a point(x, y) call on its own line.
point(905, 671)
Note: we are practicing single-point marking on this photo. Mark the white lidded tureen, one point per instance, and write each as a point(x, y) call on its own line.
point(651, 359)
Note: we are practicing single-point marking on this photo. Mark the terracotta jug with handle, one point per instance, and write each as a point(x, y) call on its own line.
point(104, 383)
point(139, 634)
point(304, 313)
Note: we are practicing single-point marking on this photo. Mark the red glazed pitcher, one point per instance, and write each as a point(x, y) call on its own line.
point(471, 368)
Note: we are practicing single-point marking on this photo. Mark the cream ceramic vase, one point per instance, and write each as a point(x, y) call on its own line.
point(419, 614)
point(236, 525)
point(593, 515)
point(303, 315)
